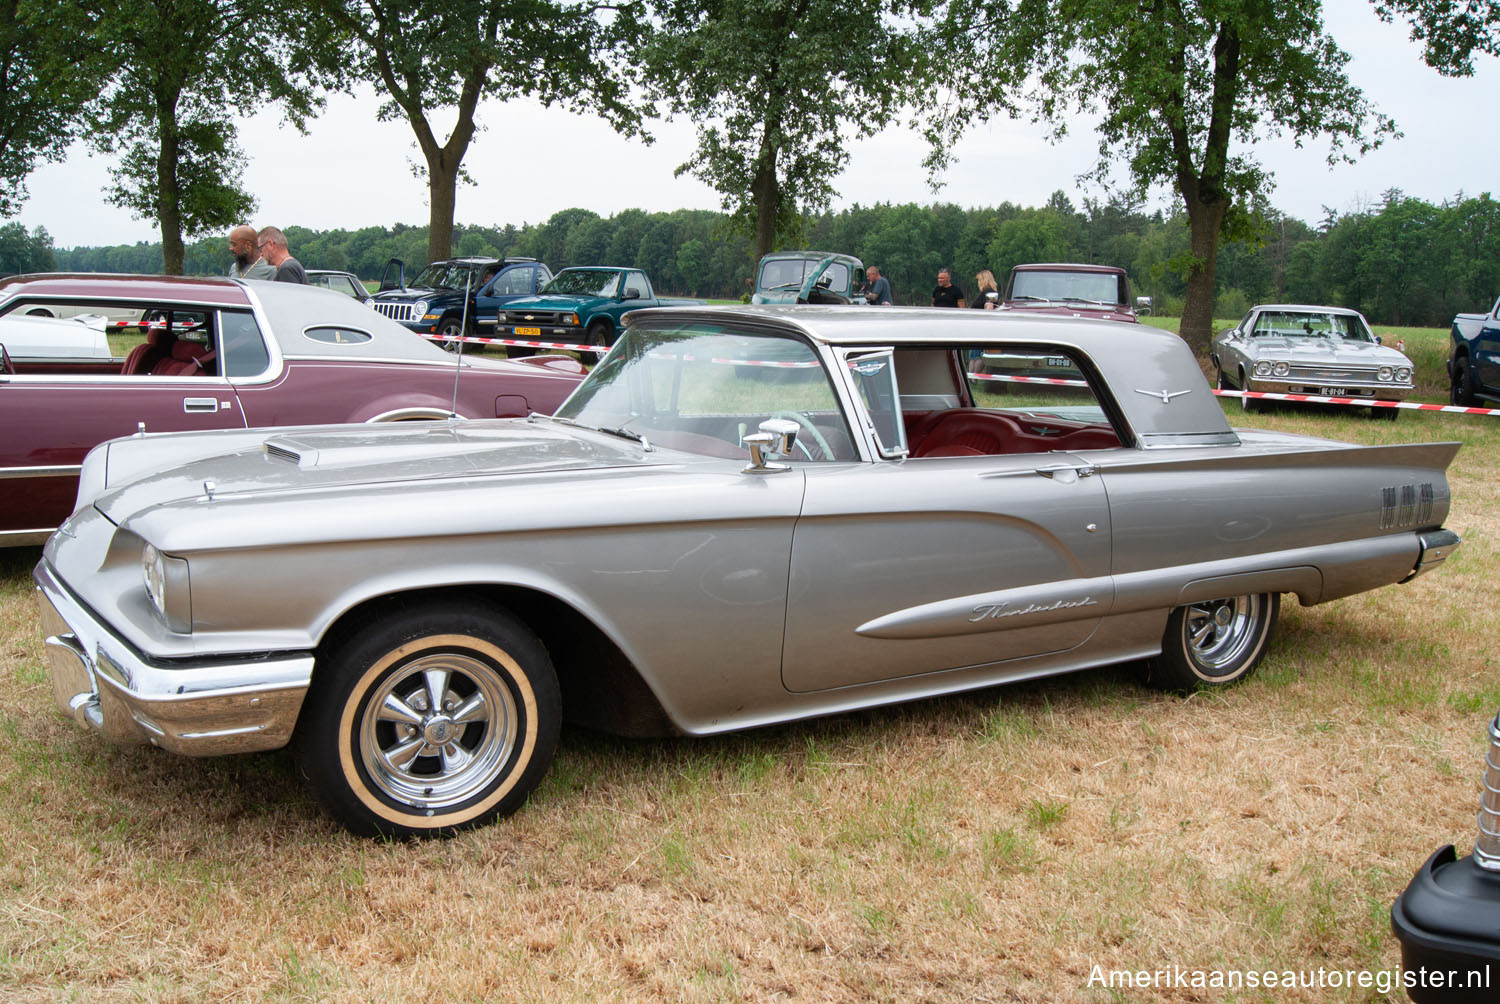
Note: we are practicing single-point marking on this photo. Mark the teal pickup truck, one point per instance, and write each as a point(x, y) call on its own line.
point(583, 306)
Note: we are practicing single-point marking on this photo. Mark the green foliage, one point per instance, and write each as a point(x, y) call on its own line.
point(182, 68)
point(1404, 263)
point(46, 78)
point(25, 252)
point(431, 55)
point(778, 89)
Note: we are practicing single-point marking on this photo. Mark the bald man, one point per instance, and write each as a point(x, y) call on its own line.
point(248, 263)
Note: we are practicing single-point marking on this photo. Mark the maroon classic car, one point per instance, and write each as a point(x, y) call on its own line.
point(1070, 289)
point(194, 353)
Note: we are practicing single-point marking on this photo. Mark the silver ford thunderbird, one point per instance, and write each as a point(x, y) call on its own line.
point(742, 516)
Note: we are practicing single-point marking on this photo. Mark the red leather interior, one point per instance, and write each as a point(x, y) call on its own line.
point(186, 359)
point(970, 431)
point(147, 354)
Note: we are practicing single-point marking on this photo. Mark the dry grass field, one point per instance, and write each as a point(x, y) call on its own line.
point(994, 847)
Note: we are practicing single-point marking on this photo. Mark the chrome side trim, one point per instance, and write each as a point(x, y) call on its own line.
point(60, 471)
point(25, 538)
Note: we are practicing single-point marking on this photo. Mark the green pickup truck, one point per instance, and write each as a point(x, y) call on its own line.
point(582, 306)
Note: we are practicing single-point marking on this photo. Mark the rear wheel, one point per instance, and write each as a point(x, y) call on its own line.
point(436, 719)
point(451, 329)
point(1463, 392)
point(1214, 643)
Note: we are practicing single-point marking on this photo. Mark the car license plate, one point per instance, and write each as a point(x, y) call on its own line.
point(1059, 362)
point(1334, 391)
point(528, 331)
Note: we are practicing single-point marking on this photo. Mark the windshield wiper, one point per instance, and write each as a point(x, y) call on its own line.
point(1027, 296)
point(624, 433)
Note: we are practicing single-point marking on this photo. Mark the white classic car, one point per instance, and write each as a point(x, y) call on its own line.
point(1320, 351)
point(742, 516)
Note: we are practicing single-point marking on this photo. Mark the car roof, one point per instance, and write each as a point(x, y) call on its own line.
point(810, 255)
point(1139, 362)
point(1305, 307)
point(1067, 266)
point(85, 286)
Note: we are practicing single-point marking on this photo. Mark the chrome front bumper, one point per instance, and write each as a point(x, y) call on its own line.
point(201, 708)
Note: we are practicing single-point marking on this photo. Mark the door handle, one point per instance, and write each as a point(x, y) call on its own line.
point(1067, 475)
point(193, 405)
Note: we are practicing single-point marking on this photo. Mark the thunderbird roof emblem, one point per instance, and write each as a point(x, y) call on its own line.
point(1166, 396)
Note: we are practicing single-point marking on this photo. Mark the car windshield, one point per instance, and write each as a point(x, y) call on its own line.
point(1092, 287)
point(791, 273)
point(584, 282)
point(1311, 324)
point(702, 387)
point(445, 275)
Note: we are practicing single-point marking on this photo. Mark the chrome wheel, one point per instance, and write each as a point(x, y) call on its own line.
point(1214, 642)
point(1219, 633)
point(438, 731)
point(428, 719)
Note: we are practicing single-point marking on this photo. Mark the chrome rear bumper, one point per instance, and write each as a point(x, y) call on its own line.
point(1437, 547)
point(203, 708)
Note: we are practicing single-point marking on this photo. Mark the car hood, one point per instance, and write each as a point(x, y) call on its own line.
point(1064, 308)
point(1327, 350)
point(556, 301)
point(339, 461)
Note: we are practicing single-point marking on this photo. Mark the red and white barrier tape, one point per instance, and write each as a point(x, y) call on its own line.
point(1007, 378)
point(1358, 402)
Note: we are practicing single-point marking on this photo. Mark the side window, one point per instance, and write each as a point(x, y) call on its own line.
point(244, 349)
point(1026, 400)
point(543, 276)
point(874, 374)
point(635, 282)
point(514, 282)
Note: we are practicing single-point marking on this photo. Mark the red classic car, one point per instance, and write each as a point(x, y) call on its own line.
point(197, 353)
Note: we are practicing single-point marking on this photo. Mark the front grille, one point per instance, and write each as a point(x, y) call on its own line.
point(403, 312)
point(1332, 374)
point(533, 318)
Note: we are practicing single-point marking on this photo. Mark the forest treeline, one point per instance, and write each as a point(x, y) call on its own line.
point(1402, 261)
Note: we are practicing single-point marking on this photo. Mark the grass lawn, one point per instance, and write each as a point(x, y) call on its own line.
point(994, 847)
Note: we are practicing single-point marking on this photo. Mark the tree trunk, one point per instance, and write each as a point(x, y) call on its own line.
point(767, 198)
point(168, 197)
point(442, 198)
point(1204, 220)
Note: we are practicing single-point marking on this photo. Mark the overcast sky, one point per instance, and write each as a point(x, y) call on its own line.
point(352, 171)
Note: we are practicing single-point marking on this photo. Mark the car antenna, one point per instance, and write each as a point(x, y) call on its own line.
point(463, 325)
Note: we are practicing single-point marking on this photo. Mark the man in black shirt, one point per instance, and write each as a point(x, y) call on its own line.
point(947, 294)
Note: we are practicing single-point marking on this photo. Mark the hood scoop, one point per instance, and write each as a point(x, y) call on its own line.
point(289, 449)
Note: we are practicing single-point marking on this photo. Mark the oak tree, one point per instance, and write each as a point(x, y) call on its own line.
point(429, 56)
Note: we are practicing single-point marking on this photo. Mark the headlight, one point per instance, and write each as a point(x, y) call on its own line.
point(1282, 369)
point(419, 308)
point(166, 580)
point(1403, 375)
point(1385, 373)
point(570, 318)
point(1263, 369)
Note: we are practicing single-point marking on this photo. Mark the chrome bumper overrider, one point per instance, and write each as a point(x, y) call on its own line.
point(1437, 547)
point(203, 708)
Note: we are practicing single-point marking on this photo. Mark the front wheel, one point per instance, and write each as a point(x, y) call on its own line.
point(1247, 403)
point(1214, 643)
point(600, 332)
point(437, 719)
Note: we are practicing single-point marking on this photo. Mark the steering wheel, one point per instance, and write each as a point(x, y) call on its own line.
point(812, 430)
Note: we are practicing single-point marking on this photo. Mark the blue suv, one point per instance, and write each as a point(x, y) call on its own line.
point(433, 303)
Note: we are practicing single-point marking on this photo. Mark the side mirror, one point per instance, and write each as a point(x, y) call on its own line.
point(776, 435)
point(631, 294)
